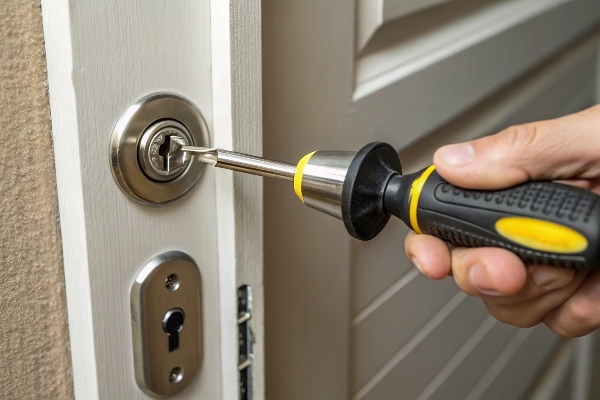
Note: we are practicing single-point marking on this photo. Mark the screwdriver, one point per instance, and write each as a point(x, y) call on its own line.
point(542, 222)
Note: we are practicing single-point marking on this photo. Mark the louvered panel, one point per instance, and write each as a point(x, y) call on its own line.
point(377, 265)
point(379, 334)
point(406, 375)
point(380, 279)
point(464, 372)
point(565, 387)
point(419, 71)
point(512, 373)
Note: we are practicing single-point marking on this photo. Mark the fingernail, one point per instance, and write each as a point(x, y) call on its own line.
point(546, 280)
point(416, 264)
point(457, 155)
point(480, 278)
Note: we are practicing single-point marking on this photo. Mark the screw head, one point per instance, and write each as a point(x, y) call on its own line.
point(176, 375)
point(158, 150)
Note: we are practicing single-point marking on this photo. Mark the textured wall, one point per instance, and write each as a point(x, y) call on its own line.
point(34, 352)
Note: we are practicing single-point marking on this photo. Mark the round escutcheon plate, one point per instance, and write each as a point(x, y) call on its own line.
point(125, 139)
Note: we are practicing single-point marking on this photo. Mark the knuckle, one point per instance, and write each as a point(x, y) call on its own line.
point(510, 316)
point(584, 312)
point(521, 135)
point(562, 331)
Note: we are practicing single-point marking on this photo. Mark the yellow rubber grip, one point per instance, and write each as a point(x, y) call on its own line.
point(299, 173)
point(415, 193)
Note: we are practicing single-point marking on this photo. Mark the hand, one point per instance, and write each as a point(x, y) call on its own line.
point(565, 149)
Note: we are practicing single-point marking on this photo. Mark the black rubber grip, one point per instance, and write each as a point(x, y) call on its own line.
point(542, 222)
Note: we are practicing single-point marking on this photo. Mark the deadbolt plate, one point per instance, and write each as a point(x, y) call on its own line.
point(169, 283)
point(125, 141)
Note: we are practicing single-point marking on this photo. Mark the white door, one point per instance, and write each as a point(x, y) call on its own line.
point(353, 320)
point(102, 57)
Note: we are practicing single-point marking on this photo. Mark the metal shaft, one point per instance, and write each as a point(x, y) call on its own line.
point(242, 162)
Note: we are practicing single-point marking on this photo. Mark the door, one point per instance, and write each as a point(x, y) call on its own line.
point(353, 320)
point(102, 58)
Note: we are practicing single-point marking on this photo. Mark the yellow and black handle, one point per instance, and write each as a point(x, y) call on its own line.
point(542, 222)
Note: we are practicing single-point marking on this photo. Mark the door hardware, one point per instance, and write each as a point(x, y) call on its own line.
point(245, 341)
point(166, 324)
point(144, 159)
point(156, 148)
point(172, 325)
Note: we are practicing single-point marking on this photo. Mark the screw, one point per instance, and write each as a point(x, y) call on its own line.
point(176, 375)
point(157, 150)
point(172, 282)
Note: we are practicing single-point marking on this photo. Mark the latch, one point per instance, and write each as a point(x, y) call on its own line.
point(246, 341)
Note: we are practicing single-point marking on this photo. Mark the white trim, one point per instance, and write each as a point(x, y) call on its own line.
point(57, 37)
point(226, 229)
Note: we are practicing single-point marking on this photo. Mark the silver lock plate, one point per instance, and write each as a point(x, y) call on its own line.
point(138, 133)
point(166, 324)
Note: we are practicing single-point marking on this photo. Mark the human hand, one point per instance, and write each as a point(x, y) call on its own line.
point(565, 149)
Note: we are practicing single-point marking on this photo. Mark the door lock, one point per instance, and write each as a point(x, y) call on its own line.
point(165, 319)
point(156, 150)
point(143, 157)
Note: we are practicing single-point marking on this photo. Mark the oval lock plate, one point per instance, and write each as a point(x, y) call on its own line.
point(125, 147)
point(166, 324)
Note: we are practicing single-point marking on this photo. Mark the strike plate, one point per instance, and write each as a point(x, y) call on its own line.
point(166, 324)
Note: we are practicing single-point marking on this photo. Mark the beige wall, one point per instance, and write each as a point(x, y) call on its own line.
point(34, 344)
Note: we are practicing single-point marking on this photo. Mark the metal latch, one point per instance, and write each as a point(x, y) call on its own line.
point(246, 341)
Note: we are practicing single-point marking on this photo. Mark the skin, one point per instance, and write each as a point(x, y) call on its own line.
point(565, 149)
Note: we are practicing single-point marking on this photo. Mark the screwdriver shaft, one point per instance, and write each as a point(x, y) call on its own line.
point(242, 162)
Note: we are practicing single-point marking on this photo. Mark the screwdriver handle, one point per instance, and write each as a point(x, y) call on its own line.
point(542, 222)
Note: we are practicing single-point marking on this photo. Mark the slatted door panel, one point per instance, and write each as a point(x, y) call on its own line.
point(417, 71)
point(356, 319)
point(419, 339)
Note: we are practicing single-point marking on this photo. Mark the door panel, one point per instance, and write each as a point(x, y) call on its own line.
point(354, 316)
point(372, 346)
point(420, 71)
point(561, 87)
point(420, 362)
point(471, 362)
point(526, 353)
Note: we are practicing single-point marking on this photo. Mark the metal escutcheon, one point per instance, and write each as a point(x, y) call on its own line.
point(166, 324)
point(142, 180)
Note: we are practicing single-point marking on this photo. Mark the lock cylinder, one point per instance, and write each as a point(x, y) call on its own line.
point(158, 154)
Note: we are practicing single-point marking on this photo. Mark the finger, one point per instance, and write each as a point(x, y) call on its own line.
point(488, 272)
point(535, 151)
point(530, 311)
point(580, 314)
point(429, 254)
point(501, 278)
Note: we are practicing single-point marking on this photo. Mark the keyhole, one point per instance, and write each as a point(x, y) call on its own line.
point(164, 151)
point(173, 324)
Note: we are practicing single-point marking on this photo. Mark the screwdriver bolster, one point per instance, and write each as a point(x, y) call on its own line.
point(415, 194)
point(299, 173)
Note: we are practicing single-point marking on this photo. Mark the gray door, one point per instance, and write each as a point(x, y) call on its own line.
point(352, 320)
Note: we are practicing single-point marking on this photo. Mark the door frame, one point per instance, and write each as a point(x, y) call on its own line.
point(75, 36)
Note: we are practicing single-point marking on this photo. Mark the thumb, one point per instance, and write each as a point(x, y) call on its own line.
point(564, 148)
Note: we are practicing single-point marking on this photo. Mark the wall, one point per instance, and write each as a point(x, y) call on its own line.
point(34, 343)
